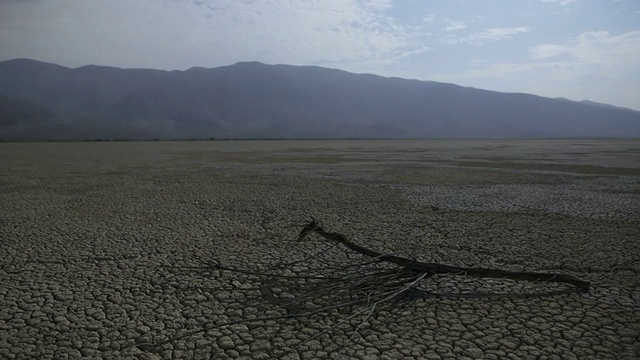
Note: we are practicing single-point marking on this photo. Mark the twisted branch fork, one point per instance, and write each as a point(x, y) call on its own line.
point(435, 268)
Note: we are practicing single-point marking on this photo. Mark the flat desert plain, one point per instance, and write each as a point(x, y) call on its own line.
point(109, 248)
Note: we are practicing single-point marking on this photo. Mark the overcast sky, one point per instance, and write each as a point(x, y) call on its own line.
point(578, 49)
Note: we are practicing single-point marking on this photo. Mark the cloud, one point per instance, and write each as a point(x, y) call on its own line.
point(599, 47)
point(561, 2)
point(488, 35)
point(545, 51)
point(500, 33)
point(589, 50)
point(595, 65)
point(378, 4)
point(429, 18)
point(453, 25)
point(174, 34)
point(595, 47)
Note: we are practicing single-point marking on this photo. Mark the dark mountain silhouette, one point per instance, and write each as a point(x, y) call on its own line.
point(40, 101)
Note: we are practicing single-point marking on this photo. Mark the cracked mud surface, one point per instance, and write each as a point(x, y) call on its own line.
point(93, 234)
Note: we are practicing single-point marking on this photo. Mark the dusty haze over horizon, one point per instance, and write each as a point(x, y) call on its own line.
point(575, 49)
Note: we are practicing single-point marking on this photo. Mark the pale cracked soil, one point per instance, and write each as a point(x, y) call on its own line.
point(95, 238)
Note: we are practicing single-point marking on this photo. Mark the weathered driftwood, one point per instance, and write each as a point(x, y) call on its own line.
point(434, 268)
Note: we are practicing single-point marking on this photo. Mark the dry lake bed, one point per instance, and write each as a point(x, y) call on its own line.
point(104, 245)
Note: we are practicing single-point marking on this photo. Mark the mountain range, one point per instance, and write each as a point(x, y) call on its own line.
point(43, 101)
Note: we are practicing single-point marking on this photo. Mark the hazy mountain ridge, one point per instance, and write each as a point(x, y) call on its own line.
point(41, 101)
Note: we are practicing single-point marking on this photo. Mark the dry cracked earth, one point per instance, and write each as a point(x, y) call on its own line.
point(104, 244)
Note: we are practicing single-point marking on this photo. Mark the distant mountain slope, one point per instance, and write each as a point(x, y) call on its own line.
point(41, 101)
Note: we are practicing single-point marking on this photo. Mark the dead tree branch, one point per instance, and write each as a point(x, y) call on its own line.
point(435, 268)
point(346, 281)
